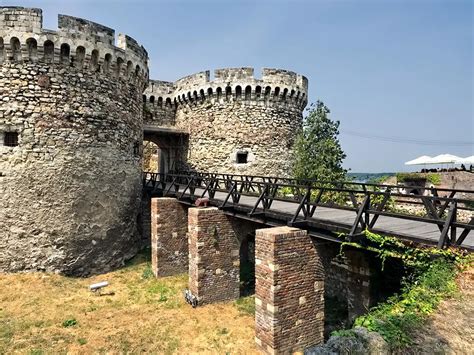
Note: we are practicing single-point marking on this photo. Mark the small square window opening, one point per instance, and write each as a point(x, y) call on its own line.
point(10, 139)
point(242, 157)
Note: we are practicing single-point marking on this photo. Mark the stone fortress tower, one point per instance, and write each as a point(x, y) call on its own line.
point(70, 137)
point(233, 123)
point(74, 110)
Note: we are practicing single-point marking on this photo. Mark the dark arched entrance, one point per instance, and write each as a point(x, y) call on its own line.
point(165, 149)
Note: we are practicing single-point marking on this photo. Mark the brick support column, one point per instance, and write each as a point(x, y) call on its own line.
point(213, 256)
point(169, 242)
point(289, 294)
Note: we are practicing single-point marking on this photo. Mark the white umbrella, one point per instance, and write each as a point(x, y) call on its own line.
point(444, 159)
point(424, 159)
point(465, 161)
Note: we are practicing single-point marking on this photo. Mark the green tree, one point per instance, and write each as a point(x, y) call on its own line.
point(318, 153)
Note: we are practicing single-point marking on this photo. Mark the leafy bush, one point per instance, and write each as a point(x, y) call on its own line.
point(433, 279)
point(399, 317)
point(348, 333)
point(433, 178)
point(377, 199)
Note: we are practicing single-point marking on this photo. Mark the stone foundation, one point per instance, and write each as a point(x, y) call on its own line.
point(144, 223)
point(169, 242)
point(289, 294)
point(213, 256)
point(360, 275)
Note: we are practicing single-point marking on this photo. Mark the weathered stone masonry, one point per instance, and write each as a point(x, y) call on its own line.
point(70, 191)
point(71, 188)
point(233, 114)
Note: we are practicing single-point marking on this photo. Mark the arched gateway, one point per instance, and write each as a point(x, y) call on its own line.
point(75, 110)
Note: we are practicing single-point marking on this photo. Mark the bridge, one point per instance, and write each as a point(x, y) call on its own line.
point(296, 227)
point(334, 211)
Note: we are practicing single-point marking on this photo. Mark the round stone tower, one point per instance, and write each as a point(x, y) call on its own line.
point(70, 138)
point(235, 123)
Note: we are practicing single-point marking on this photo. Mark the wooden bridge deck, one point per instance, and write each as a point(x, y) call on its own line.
point(325, 223)
point(343, 220)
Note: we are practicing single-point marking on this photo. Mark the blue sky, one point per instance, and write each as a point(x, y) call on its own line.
point(386, 69)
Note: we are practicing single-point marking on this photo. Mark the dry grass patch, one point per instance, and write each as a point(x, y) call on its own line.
point(450, 329)
point(47, 313)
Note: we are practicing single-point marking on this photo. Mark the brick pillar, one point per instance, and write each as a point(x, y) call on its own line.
point(359, 283)
point(289, 291)
point(213, 256)
point(169, 242)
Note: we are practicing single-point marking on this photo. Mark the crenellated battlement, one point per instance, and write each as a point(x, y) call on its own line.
point(160, 93)
point(72, 111)
point(237, 84)
point(77, 43)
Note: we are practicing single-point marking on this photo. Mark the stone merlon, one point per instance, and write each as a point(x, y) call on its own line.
point(283, 84)
point(90, 40)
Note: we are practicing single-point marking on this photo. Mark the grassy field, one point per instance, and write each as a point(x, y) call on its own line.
point(47, 313)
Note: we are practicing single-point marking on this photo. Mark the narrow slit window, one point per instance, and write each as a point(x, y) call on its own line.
point(242, 157)
point(11, 139)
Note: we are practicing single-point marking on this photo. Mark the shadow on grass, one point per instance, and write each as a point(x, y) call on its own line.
point(142, 257)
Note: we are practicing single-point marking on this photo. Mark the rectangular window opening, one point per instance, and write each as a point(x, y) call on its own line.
point(10, 139)
point(242, 157)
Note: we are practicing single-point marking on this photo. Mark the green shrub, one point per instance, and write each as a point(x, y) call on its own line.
point(397, 319)
point(162, 290)
point(348, 333)
point(147, 272)
point(432, 280)
point(71, 322)
point(433, 178)
point(403, 177)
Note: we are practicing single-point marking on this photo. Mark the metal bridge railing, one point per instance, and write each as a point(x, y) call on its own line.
point(436, 206)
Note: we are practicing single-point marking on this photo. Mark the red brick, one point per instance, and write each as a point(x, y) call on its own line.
point(169, 242)
point(289, 291)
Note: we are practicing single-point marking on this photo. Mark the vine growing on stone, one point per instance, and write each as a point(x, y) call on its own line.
point(432, 280)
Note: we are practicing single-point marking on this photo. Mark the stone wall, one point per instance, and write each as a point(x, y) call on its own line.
point(71, 188)
point(160, 108)
point(169, 240)
point(213, 256)
point(360, 286)
point(233, 114)
point(289, 291)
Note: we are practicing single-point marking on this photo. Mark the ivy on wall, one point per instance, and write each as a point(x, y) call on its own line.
point(432, 280)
